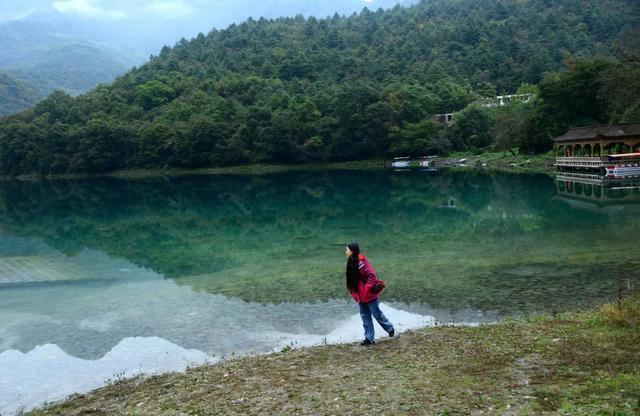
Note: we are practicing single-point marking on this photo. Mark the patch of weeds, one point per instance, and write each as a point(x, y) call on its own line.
point(624, 313)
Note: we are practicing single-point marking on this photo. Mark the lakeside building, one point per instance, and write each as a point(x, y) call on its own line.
point(444, 118)
point(505, 100)
point(612, 150)
point(499, 101)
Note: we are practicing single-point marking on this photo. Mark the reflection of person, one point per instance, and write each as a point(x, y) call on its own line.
point(365, 287)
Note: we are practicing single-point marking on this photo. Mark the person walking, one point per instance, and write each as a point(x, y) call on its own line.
point(364, 287)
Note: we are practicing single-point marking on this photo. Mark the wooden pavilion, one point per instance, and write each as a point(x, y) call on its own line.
point(593, 148)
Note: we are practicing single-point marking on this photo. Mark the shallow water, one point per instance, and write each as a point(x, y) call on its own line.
point(108, 278)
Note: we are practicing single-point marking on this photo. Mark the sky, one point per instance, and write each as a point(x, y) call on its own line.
point(115, 9)
point(163, 9)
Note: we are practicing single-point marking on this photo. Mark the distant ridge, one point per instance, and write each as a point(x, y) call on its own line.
point(16, 95)
point(46, 55)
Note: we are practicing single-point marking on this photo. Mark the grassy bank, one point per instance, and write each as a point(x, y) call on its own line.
point(510, 161)
point(574, 363)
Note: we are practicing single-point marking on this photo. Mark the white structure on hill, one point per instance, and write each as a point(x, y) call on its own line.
point(505, 100)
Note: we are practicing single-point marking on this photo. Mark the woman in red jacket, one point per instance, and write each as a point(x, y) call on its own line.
point(363, 285)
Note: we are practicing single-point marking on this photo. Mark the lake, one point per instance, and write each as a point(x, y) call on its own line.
point(102, 279)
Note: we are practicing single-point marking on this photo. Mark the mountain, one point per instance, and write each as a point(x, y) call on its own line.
point(24, 41)
point(53, 50)
point(341, 88)
point(141, 31)
point(73, 67)
point(16, 95)
point(51, 53)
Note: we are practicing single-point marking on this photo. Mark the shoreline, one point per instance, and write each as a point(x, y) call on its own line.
point(494, 162)
point(250, 169)
point(576, 362)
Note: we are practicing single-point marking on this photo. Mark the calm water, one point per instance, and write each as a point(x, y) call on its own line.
point(108, 278)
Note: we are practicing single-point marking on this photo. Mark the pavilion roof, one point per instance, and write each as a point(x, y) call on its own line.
point(606, 131)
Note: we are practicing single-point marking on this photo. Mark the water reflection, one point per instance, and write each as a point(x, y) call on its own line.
point(452, 241)
point(47, 373)
point(594, 192)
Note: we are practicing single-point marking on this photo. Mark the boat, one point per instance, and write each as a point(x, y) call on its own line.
point(401, 162)
point(623, 165)
point(623, 171)
point(427, 161)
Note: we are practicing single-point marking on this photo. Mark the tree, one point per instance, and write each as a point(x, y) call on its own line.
point(153, 94)
point(101, 146)
point(418, 139)
point(568, 98)
point(470, 128)
point(510, 128)
point(57, 106)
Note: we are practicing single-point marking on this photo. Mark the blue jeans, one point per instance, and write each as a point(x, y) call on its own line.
point(373, 309)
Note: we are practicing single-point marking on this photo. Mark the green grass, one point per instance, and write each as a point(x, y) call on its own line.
point(507, 161)
point(575, 363)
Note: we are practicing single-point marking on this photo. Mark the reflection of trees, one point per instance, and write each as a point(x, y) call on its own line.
point(279, 232)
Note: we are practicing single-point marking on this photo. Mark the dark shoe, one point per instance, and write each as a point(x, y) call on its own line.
point(367, 342)
point(392, 333)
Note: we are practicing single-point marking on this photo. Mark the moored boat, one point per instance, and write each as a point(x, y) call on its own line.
point(623, 165)
point(401, 162)
point(427, 161)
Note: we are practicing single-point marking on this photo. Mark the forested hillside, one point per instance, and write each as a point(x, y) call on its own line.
point(73, 67)
point(47, 55)
point(53, 48)
point(296, 89)
point(15, 95)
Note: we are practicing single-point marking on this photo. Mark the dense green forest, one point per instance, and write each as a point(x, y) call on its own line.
point(343, 88)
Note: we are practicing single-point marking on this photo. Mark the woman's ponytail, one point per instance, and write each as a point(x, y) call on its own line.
point(353, 271)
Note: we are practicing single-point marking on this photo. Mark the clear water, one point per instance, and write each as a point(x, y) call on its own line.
point(108, 278)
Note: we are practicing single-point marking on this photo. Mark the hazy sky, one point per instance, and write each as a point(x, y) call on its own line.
point(164, 9)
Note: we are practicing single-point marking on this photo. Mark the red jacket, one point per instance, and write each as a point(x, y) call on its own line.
point(365, 285)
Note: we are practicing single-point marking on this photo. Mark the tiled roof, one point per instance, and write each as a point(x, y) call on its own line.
point(608, 131)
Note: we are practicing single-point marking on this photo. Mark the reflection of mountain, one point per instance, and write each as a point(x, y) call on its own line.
point(87, 315)
point(277, 238)
point(35, 377)
point(25, 262)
